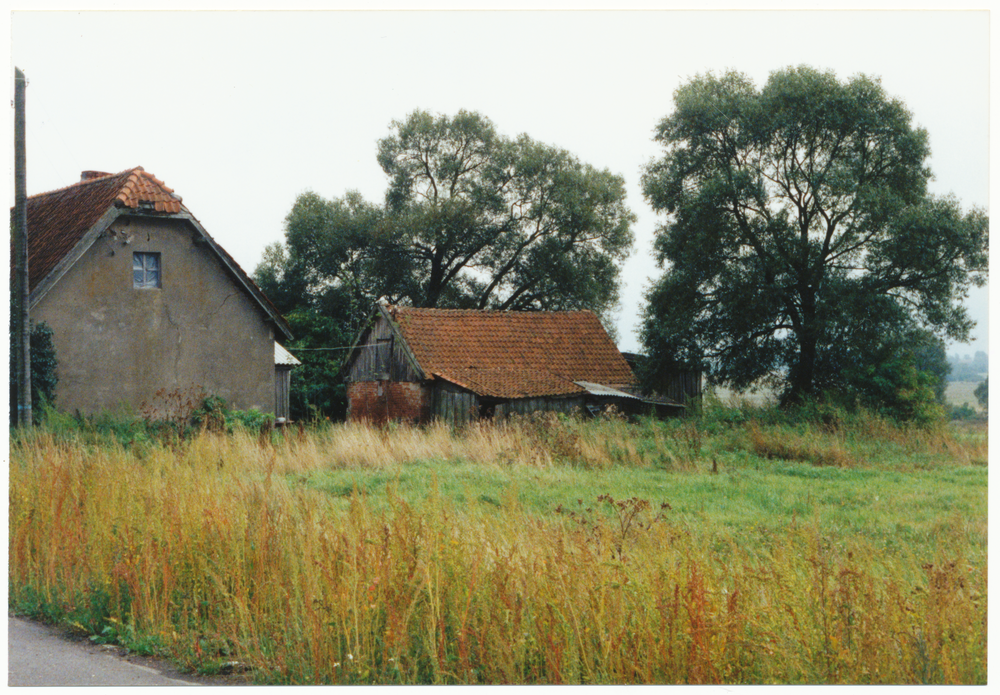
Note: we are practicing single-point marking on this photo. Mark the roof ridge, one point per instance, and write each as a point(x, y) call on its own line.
point(84, 183)
point(480, 312)
point(139, 171)
point(141, 188)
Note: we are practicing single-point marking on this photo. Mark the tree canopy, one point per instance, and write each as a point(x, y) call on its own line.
point(800, 241)
point(470, 219)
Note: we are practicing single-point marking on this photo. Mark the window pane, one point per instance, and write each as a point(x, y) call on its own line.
point(145, 270)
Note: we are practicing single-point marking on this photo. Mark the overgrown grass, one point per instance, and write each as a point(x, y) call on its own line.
point(743, 547)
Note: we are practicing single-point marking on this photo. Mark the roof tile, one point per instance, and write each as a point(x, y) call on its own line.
point(59, 219)
point(513, 354)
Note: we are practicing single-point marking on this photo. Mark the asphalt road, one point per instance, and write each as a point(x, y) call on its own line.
point(43, 655)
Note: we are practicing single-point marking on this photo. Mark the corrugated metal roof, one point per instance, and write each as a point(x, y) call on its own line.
point(284, 357)
point(602, 390)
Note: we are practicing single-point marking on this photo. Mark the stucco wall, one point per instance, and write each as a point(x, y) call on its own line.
point(118, 346)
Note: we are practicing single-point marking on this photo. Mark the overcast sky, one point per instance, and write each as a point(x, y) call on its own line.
point(240, 112)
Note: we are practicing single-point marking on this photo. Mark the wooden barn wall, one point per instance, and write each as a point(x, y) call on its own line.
point(680, 387)
point(453, 404)
point(527, 406)
point(380, 357)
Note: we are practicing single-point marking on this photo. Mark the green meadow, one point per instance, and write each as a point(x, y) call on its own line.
point(740, 546)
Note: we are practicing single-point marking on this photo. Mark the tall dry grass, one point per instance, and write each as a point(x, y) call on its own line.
point(209, 552)
point(540, 441)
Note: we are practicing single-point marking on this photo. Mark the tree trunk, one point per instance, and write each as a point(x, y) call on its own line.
point(803, 371)
point(435, 283)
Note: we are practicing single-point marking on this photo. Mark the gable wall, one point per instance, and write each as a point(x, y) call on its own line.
point(117, 346)
point(381, 382)
point(380, 357)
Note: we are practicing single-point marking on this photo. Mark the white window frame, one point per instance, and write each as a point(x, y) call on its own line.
point(147, 270)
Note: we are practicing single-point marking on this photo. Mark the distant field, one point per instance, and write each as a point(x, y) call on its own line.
point(957, 393)
point(758, 398)
point(960, 392)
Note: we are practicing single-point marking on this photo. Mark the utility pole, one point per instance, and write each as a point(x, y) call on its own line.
point(22, 327)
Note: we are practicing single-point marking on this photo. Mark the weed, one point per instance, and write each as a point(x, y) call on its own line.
point(789, 446)
point(345, 554)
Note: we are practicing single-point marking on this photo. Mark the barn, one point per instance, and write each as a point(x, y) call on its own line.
point(417, 365)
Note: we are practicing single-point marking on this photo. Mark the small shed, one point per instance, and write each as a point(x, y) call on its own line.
point(678, 387)
point(284, 363)
point(459, 365)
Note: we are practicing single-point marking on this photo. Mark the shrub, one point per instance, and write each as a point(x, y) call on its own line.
point(982, 394)
point(962, 412)
point(896, 388)
point(44, 371)
point(214, 414)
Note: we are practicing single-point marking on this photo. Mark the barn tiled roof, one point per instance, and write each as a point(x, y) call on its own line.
point(58, 220)
point(513, 354)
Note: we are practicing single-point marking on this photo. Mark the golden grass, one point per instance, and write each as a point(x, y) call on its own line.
point(538, 441)
point(208, 552)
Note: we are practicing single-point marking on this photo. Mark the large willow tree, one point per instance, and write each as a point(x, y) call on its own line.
point(800, 242)
point(470, 219)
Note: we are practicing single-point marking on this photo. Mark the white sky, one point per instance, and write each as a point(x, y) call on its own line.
point(239, 112)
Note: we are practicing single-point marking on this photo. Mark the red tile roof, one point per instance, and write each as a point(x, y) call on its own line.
point(513, 354)
point(58, 220)
point(142, 188)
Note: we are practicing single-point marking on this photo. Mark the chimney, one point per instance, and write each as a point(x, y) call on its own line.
point(88, 175)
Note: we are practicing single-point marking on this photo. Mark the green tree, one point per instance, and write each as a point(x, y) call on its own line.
point(799, 231)
point(982, 394)
point(323, 321)
point(969, 369)
point(471, 219)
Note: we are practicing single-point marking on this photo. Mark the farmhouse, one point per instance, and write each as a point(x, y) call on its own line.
point(144, 305)
point(458, 365)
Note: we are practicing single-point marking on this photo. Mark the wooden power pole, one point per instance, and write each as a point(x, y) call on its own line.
point(22, 327)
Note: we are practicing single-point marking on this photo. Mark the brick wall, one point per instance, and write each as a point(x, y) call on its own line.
point(380, 401)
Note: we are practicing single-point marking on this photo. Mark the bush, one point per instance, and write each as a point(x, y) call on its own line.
point(982, 394)
point(44, 372)
point(213, 414)
point(896, 388)
point(962, 412)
